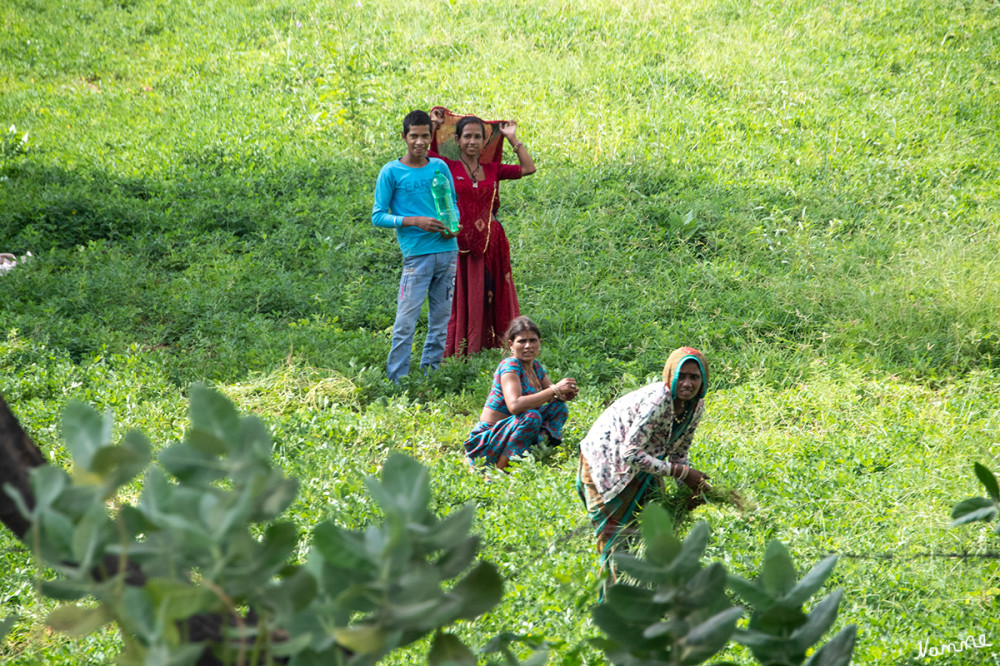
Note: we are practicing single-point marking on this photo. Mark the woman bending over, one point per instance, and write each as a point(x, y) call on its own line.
point(641, 438)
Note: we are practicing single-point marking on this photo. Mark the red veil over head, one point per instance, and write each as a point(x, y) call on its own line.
point(445, 143)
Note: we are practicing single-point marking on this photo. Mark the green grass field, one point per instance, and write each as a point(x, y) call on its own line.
point(809, 192)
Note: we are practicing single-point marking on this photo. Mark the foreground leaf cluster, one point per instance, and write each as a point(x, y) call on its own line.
point(675, 611)
point(984, 509)
point(201, 569)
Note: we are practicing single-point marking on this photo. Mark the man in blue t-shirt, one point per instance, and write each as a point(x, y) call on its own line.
point(403, 202)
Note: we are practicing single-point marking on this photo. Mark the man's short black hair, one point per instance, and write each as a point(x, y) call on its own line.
point(416, 117)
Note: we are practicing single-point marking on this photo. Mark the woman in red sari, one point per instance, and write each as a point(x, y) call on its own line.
point(485, 300)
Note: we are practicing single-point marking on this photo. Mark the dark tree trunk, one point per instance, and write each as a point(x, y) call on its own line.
point(18, 456)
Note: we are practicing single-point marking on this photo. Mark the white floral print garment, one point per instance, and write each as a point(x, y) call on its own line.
point(633, 435)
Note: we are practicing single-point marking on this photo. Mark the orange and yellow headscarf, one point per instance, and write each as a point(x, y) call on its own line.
point(673, 368)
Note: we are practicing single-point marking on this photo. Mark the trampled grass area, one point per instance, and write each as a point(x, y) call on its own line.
point(806, 191)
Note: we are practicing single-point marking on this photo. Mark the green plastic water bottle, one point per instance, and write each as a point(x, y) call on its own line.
point(444, 202)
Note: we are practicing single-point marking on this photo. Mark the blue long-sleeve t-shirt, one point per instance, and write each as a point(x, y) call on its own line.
point(403, 191)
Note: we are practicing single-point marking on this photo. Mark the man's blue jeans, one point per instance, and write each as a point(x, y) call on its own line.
point(430, 276)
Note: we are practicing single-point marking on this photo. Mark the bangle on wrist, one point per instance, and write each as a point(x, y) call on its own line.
point(517, 146)
point(555, 393)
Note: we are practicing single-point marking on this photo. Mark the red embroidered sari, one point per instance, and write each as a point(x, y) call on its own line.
point(485, 299)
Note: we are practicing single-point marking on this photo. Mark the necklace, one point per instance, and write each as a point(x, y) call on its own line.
point(529, 374)
point(679, 417)
point(472, 172)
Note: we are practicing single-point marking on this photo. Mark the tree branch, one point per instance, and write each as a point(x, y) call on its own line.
point(18, 456)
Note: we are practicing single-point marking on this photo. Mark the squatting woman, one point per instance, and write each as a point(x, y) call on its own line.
point(523, 404)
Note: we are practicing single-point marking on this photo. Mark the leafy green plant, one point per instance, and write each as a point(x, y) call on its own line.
point(677, 612)
point(393, 574)
point(780, 633)
point(985, 509)
point(201, 563)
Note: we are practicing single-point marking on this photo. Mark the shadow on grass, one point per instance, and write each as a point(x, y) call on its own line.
point(232, 264)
